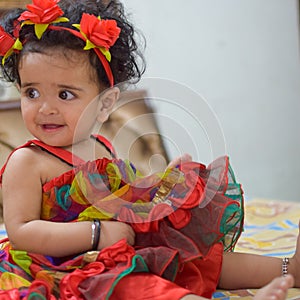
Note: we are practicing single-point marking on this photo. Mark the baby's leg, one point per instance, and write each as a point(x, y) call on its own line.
point(244, 270)
point(276, 290)
point(294, 266)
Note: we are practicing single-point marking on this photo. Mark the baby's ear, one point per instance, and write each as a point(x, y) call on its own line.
point(106, 103)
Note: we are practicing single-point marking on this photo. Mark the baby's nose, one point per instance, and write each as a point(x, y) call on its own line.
point(48, 107)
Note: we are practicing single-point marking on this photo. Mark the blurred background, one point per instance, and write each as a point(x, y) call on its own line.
point(241, 57)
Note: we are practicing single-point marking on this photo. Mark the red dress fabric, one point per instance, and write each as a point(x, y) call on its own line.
point(183, 219)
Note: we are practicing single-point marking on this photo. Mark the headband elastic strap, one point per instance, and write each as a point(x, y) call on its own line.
point(100, 55)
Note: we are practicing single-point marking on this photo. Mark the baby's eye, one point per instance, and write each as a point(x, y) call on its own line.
point(65, 95)
point(32, 93)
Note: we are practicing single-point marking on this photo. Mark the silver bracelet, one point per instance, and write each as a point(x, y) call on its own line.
point(285, 262)
point(93, 234)
point(97, 223)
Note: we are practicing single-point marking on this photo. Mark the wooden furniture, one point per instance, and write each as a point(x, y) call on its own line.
point(8, 4)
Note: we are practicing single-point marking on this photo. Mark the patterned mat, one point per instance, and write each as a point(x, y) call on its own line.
point(271, 229)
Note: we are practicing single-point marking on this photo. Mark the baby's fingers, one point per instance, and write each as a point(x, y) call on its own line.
point(179, 160)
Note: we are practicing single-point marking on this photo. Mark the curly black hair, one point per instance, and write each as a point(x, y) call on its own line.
point(127, 63)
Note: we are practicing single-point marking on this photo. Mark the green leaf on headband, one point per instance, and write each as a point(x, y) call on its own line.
point(18, 45)
point(60, 20)
point(106, 53)
point(40, 29)
point(89, 45)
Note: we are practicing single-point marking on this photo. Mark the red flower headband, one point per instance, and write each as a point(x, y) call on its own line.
point(8, 44)
point(98, 34)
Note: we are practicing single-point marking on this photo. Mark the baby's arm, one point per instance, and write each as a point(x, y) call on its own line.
point(22, 192)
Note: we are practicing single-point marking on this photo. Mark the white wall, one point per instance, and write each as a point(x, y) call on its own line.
point(242, 56)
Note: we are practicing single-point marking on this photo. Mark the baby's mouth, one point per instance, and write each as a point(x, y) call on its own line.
point(51, 126)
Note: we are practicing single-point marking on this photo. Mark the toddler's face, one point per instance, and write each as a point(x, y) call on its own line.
point(56, 92)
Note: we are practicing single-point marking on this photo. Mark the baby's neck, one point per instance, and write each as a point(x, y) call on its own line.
point(88, 150)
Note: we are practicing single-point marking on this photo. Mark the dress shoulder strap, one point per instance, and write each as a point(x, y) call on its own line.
point(66, 156)
point(106, 143)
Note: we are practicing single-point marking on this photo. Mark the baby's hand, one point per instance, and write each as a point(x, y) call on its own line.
point(113, 231)
point(178, 160)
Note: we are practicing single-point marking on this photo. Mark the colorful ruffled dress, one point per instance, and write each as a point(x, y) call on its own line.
point(183, 219)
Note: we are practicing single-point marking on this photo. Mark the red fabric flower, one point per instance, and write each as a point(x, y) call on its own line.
point(70, 283)
point(40, 289)
point(99, 35)
point(107, 259)
point(42, 12)
point(6, 42)
point(119, 252)
point(180, 218)
point(10, 294)
point(102, 33)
